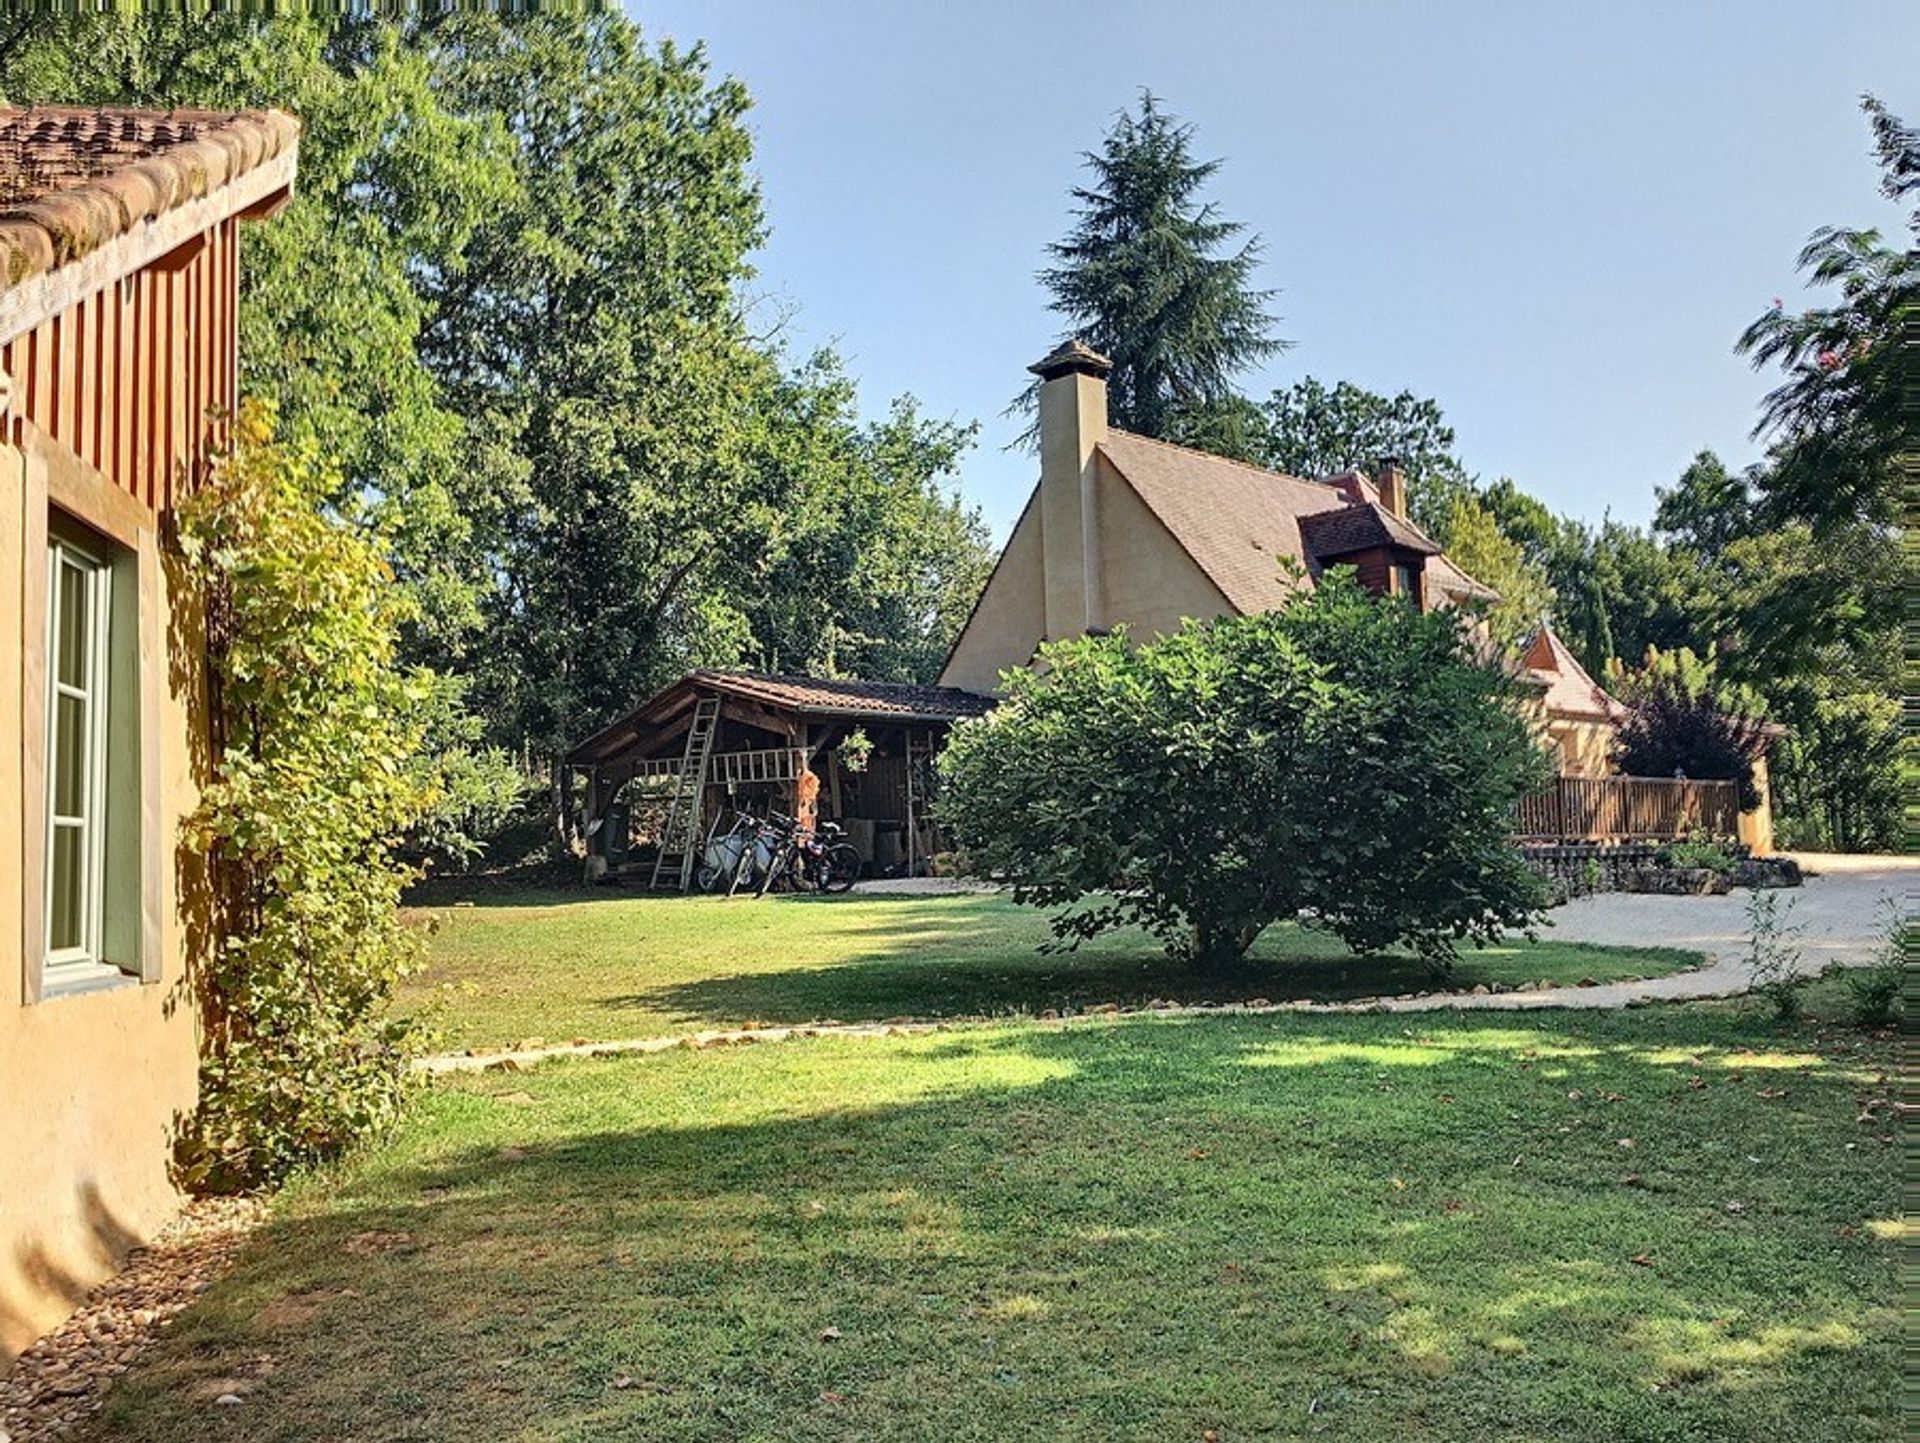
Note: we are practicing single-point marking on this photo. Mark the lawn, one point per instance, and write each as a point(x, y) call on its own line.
point(1664, 1224)
point(570, 964)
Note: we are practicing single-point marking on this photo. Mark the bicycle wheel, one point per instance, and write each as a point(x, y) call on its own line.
point(776, 869)
point(840, 868)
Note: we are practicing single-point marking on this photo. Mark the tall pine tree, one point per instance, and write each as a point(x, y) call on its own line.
point(1154, 278)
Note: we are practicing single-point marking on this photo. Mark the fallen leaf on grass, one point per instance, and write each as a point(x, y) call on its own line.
point(830, 1335)
point(1642, 1260)
point(363, 1245)
point(829, 1396)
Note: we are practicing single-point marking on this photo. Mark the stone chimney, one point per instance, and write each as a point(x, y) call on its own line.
point(1391, 482)
point(1073, 420)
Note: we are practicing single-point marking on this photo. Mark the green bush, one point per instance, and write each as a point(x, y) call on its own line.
point(1773, 955)
point(1879, 990)
point(1711, 856)
point(316, 730)
point(1344, 758)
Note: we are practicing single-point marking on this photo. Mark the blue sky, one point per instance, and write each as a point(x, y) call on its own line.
point(1553, 218)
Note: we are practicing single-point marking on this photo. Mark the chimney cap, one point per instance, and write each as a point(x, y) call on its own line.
point(1071, 356)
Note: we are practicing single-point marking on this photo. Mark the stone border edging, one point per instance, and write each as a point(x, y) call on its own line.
point(512, 1059)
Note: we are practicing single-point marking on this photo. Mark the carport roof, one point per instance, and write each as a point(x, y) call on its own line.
point(838, 697)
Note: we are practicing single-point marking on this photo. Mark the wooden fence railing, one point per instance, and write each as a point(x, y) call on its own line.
point(1591, 809)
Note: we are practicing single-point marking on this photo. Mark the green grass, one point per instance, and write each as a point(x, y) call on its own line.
point(565, 965)
point(1664, 1224)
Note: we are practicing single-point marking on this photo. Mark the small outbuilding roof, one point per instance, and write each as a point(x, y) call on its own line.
point(805, 696)
point(826, 696)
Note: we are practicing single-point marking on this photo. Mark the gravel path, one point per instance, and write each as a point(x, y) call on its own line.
point(61, 1380)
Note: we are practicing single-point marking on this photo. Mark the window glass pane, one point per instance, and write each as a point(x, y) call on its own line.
point(64, 919)
point(75, 632)
point(69, 760)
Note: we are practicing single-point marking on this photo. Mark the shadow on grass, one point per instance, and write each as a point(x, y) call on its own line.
point(636, 966)
point(947, 966)
point(1137, 1231)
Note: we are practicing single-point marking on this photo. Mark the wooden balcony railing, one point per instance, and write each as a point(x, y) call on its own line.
point(1619, 809)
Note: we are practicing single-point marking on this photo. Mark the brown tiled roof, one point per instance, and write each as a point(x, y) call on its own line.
point(879, 701)
point(848, 697)
point(1569, 690)
point(1445, 580)
point(1236, 521)
point(1349, 528)
point(72, 178)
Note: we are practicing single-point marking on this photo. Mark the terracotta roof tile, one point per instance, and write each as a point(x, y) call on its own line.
point(1445, 580)
point(1350, 528)
point(1237, 521)
point(849, 697)
point(73, 178)
point(1569, 690)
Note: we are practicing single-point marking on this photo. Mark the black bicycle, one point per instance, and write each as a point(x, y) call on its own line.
point(818, 861)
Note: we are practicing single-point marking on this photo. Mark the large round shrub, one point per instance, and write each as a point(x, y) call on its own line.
point(1345, 759)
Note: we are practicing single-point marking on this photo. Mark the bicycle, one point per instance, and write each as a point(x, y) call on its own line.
point(816, 861)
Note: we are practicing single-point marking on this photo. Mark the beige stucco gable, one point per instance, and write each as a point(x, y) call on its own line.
point(1009, 620)
point(1142, 578)
point(1148, 581)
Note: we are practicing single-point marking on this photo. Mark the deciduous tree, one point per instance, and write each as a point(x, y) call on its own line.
point(1344, 759)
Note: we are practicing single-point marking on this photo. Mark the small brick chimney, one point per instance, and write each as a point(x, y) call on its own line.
point(1391, 482)
point(1073, 421)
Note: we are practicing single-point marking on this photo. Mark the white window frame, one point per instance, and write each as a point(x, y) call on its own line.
point(70, 564)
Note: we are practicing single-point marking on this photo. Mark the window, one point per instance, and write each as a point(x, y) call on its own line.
point(94, 923)
point(79, 620)
point(1406, 582)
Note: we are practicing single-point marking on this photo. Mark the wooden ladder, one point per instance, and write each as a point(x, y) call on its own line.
point(680, 837)
point(919, 759)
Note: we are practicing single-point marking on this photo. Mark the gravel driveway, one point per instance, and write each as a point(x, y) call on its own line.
point(1841, 909)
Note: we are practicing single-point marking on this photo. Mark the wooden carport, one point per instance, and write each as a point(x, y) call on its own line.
point(719, 741)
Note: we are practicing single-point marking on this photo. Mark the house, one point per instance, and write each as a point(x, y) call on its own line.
point(725, 742)
point(118, 302)
point(1582, 720)
point(1126, 530)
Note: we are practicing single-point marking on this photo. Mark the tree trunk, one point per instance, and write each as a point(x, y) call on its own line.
point(1221, 946)
point(557, 792)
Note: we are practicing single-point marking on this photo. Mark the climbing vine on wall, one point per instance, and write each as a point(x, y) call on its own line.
point(314, 729)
